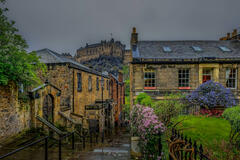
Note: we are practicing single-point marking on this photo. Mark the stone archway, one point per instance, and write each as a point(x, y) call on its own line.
point(48, 108)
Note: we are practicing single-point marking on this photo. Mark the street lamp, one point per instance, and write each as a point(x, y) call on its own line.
point(102, 85)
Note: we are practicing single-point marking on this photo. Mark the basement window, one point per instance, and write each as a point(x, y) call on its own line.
point(225, 49)
point(167, 49)
point(197, 48)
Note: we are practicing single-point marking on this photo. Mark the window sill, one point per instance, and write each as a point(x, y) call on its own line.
point(184, 88)
point(150, 88)
point(231, 88)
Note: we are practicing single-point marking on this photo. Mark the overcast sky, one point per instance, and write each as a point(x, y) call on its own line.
point(66, 25)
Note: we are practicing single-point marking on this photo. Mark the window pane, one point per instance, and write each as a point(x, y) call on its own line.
point(183, 78)
point(149, 77)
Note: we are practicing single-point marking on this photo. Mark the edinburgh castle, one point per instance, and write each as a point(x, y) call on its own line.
point(104, 48)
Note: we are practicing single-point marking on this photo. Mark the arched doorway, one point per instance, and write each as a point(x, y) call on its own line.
point(48, 108)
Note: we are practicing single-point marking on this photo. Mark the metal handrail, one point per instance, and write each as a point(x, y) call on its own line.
point(29, 145)
point(50, 125)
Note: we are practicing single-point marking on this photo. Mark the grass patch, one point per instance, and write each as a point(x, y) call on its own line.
point(205, 130)
point(211, 132)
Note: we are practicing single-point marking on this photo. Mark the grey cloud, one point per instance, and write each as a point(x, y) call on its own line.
point(65, 25)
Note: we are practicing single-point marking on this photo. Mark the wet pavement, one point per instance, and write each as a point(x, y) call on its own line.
point(115, 147)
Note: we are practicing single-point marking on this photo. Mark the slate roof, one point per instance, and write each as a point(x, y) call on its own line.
point(48, 56)
point(184, 50)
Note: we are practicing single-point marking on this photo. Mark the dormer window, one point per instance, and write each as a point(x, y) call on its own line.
point(167, 49)
point(197, 48)
point(225, 49)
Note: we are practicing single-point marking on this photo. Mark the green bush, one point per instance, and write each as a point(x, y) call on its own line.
point(144, 99)
point(168, 108)
point(233, 116)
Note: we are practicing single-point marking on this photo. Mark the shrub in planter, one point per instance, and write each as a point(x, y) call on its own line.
point(145, 125)
point(211, 94)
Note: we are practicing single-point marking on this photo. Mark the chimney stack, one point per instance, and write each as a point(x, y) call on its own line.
point(134, 37)
point(228, 36)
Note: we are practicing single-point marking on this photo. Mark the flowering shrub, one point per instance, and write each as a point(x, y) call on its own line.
point(211, 94)
point(211, 112)
point(145, 124)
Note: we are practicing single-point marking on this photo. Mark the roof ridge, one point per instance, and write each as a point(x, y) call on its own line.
point(180, 41)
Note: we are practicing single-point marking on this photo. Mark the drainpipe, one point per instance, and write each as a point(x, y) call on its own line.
point(73, 92)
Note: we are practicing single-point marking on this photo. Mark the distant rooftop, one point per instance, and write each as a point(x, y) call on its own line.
point(48, 56)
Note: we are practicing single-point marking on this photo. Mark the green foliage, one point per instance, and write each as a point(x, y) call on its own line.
point(168, 108)
point(233, 116)
point(144, 99)
point(126, 72)
point(15, 63)
point(126, 107)
point(126, 80)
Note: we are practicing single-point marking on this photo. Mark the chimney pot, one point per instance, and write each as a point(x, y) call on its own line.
point(134, 37)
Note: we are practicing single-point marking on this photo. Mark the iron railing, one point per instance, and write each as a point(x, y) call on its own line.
point(45, 139)
point(183, 148)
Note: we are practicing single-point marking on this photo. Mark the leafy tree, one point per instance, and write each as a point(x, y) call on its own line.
point(211, 94)
point(15, 63)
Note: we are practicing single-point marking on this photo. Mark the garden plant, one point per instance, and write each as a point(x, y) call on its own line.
point(145, 124)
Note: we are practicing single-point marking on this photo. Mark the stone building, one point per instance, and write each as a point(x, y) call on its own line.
point(70, 93)
point(162, 67)
point(127, 57)
point(117, 93)
point(106, 48)
point(80, 89)
point(235, 35)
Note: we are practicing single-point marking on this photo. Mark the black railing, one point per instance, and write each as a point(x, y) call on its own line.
point(183, 148)
point(45, 139)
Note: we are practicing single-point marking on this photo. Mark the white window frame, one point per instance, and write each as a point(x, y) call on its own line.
point(228, 78)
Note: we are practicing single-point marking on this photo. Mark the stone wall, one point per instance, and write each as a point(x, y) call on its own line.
point(14, 116)
point(61, 76)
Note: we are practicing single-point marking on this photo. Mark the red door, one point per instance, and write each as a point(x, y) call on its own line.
point(206, 78)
